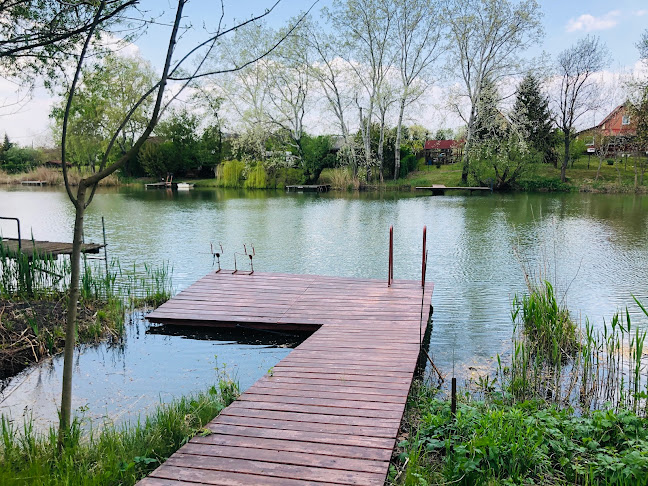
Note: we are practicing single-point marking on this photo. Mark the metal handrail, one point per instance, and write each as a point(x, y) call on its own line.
point(18, 224)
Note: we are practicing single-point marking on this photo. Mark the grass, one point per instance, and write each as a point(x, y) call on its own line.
point(113, 455)
point(54, 177)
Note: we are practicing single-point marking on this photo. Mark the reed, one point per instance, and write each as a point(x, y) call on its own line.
point(343, 179)
point(588, 370)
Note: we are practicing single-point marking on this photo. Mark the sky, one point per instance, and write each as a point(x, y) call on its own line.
point(619, 24)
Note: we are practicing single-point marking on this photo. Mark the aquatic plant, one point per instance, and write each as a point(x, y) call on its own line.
point(587, 370)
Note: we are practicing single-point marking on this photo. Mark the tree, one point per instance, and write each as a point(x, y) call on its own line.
point(579, 91)
point(486, 37)
point(500, 148)
point(179, 130)
point(107, 90)
point(317, 156)
point(289, 89)
point(419, 28)
point(38, 37)
point(366, 27)
point(643, 46)
point(85, 191)
point(534, 117)
point(332, 75)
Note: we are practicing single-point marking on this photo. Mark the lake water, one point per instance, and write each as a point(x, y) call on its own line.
point(595, 247)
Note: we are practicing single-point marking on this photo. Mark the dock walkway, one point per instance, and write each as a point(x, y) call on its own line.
point(43, 249)
point(329, 412)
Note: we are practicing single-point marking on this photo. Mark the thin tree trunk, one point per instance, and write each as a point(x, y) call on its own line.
point(70, 331)
point(598, 170)
point(466, 156)
point(381, 148)
point(563, 168)
point(397, 143)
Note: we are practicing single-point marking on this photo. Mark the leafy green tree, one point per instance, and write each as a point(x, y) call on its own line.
point(534, 118)
point(181, 143)
point(317, 156)
point(108, 90)
point(19, 159)
point(38, 36)
point(500, 151)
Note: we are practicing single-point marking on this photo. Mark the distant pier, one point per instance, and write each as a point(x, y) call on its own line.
point(309, 188)
point(440, 189)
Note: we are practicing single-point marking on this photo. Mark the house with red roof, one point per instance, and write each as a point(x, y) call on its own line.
point(442, 151)
point(617, 124)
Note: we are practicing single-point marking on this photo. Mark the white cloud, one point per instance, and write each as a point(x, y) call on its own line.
point(640, 13)
point(588, 23)
point(120, 46)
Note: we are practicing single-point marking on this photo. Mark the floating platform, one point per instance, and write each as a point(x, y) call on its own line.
point(161, 185)
point(440, 189)
point(43, 249)
point(329, 412)
point(34, 183)
point(309, 188)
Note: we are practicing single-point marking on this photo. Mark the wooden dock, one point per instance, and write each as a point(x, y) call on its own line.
point(43, 249)
point(34, 183)
point(440, 189)
point(329, 412)
point(309, 188)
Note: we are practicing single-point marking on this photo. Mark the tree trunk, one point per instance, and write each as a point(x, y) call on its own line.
point(70, 331)
point(598, 171)
point(466, 157)
point(397, 143)
point(381, 149)
point(563, 168)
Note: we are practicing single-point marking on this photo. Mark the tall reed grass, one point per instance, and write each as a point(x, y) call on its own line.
point(586, 368)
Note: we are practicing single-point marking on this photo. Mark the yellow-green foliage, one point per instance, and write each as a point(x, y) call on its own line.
point(230, 173)
point(256, 178)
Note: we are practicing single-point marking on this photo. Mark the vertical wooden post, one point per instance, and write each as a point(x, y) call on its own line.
point(103, 227)
point(390, 272)
point(453, 403)
point(423, 260)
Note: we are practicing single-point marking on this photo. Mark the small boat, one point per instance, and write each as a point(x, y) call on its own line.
point(184, 186)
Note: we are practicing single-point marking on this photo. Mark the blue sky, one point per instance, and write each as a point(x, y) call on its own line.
point(619, 24)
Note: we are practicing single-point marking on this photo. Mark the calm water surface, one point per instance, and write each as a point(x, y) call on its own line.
point(594, 246)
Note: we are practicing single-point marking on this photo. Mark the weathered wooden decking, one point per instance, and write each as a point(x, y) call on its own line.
point(329, 412)
point(43, 249)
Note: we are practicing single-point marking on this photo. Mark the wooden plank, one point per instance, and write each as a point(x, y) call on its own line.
point(337, 450)
point(286, 457)
point(271, 469)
